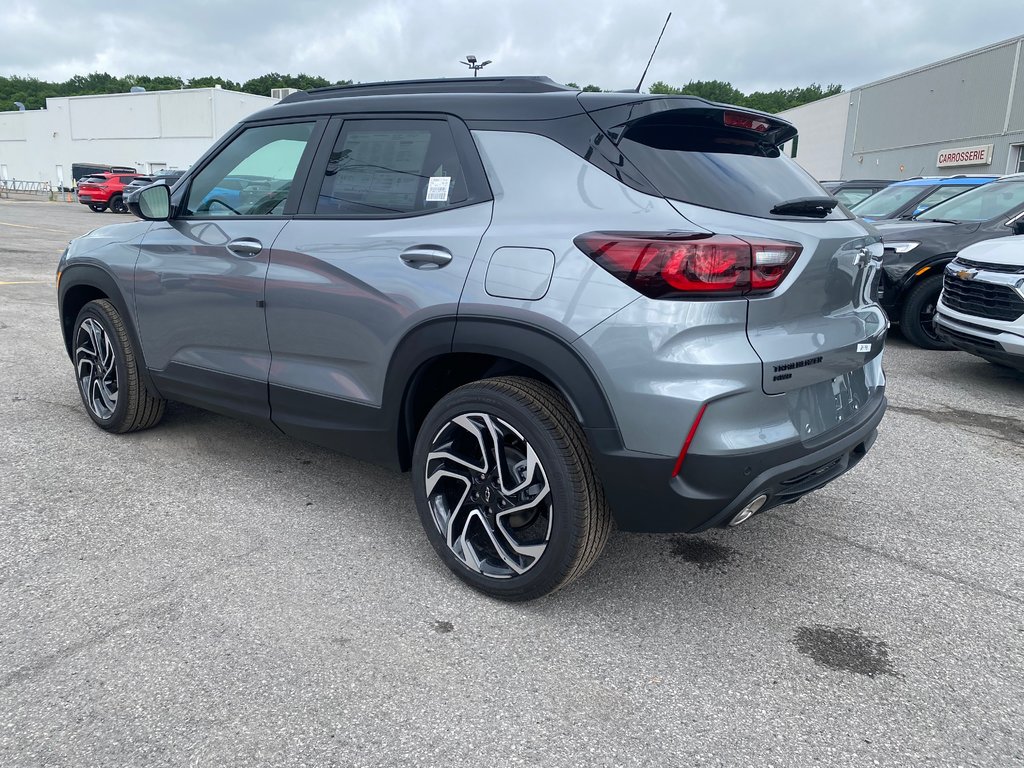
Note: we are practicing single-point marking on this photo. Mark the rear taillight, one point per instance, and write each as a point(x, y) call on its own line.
point(667, 266)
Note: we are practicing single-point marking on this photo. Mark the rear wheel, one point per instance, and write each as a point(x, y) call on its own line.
point(98, 207)
point(505, 488)
point(917, 318)
point(107, 369)
point(117, 204)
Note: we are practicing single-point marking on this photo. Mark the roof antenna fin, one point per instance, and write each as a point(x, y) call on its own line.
point(637, 89)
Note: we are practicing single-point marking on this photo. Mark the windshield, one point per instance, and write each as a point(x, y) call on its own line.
point(991, 201)
point(884, 204)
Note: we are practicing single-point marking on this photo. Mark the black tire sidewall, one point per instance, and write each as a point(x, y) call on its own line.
point(910, 323)
point(98, 313)
point(549, 572)
point(117, 204)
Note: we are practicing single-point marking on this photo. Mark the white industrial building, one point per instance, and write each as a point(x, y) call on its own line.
point(961, 115)
point(145, 130)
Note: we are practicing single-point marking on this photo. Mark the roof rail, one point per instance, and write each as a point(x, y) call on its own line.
point(519, 84)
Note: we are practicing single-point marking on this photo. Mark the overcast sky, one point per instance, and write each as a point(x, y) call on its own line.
point(754, 44)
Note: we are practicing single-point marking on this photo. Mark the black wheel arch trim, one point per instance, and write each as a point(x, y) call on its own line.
point(97, 278)
point(521, 343)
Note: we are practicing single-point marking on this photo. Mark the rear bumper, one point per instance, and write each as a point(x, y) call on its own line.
point(710, 490)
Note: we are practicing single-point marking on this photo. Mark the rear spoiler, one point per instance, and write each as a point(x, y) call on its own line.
point(691, 110)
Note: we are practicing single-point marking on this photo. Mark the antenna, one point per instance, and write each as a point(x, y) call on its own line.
point(637, 90)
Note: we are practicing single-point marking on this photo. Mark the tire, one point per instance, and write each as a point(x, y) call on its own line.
point(117, 204)
point(916, 316)
point(107, 372)
point(545, 509)
point(97, 207)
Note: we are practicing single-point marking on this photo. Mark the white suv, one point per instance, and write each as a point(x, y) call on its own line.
point(981, 310)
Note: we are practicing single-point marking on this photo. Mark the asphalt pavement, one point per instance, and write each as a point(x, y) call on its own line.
point(208, 593)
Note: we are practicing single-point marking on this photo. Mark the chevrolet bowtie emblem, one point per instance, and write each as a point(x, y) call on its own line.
point(967, 274)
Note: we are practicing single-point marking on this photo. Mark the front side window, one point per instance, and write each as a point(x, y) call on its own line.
point(885, 202)
point(392, 167)
point(251, 176)
point(941, 195)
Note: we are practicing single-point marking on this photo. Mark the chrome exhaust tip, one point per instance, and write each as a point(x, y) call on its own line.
point(748, 511)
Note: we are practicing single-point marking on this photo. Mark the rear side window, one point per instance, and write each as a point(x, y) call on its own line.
point(392, 167)
point(718, 168)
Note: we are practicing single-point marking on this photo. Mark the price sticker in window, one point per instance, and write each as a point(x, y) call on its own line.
point(437, 189)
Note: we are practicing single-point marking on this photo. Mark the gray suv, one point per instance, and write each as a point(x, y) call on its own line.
point(558, 309)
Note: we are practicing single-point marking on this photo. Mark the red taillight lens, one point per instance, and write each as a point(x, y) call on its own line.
point(667, 266)
point(741, 120)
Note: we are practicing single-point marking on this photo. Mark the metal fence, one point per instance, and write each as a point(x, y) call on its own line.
point(19, 187)
point(36, 189)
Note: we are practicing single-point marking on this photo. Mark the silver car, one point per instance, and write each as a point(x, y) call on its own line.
point(558, 310)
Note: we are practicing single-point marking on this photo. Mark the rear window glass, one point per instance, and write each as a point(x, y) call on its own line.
point(729, 170)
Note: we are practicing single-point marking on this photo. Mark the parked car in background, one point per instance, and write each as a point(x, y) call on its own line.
point(981, 309)
point(140, 182)
point(104, 191)
point(548, 335)
point(916, 251)
point(906, 199)
point(852, 192)
point(81, 170)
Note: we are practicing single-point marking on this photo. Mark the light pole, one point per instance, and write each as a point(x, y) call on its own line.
point(471, 63)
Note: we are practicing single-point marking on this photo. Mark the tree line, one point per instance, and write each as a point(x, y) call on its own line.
point(33, 92)
point(718, 90)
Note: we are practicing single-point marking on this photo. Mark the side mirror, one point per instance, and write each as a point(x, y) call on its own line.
point(152, 203)
point(1018, 226)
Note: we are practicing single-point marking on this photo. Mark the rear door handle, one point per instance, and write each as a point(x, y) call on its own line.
point(426, 256)
point(245, 247)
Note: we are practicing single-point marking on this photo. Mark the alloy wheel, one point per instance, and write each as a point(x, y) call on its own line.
point(488, 495)
point(97, 368)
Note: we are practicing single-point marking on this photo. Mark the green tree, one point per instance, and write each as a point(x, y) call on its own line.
point(210, 81)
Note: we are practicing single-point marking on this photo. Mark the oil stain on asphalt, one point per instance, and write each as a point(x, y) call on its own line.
point(442, 627)
point(705, 554)
point(845, 649)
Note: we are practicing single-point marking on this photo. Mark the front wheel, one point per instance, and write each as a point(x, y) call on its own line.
point(107, 369)
point(917, 319)
point(505, 488)
point(117, 204)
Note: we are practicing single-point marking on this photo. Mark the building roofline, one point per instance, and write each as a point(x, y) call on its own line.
point(940, 63)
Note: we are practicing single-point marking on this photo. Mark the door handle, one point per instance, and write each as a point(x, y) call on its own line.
point(426, 256)
point(245, 247)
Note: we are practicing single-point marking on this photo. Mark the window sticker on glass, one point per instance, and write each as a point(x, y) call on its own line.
point(437, 189)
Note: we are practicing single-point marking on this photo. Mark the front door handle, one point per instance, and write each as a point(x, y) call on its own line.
point(245, 247)
point(426, 256)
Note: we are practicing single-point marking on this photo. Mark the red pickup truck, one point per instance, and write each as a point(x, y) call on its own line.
point(104, 190)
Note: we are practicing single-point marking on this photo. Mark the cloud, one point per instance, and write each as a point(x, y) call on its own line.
point(755, 45)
